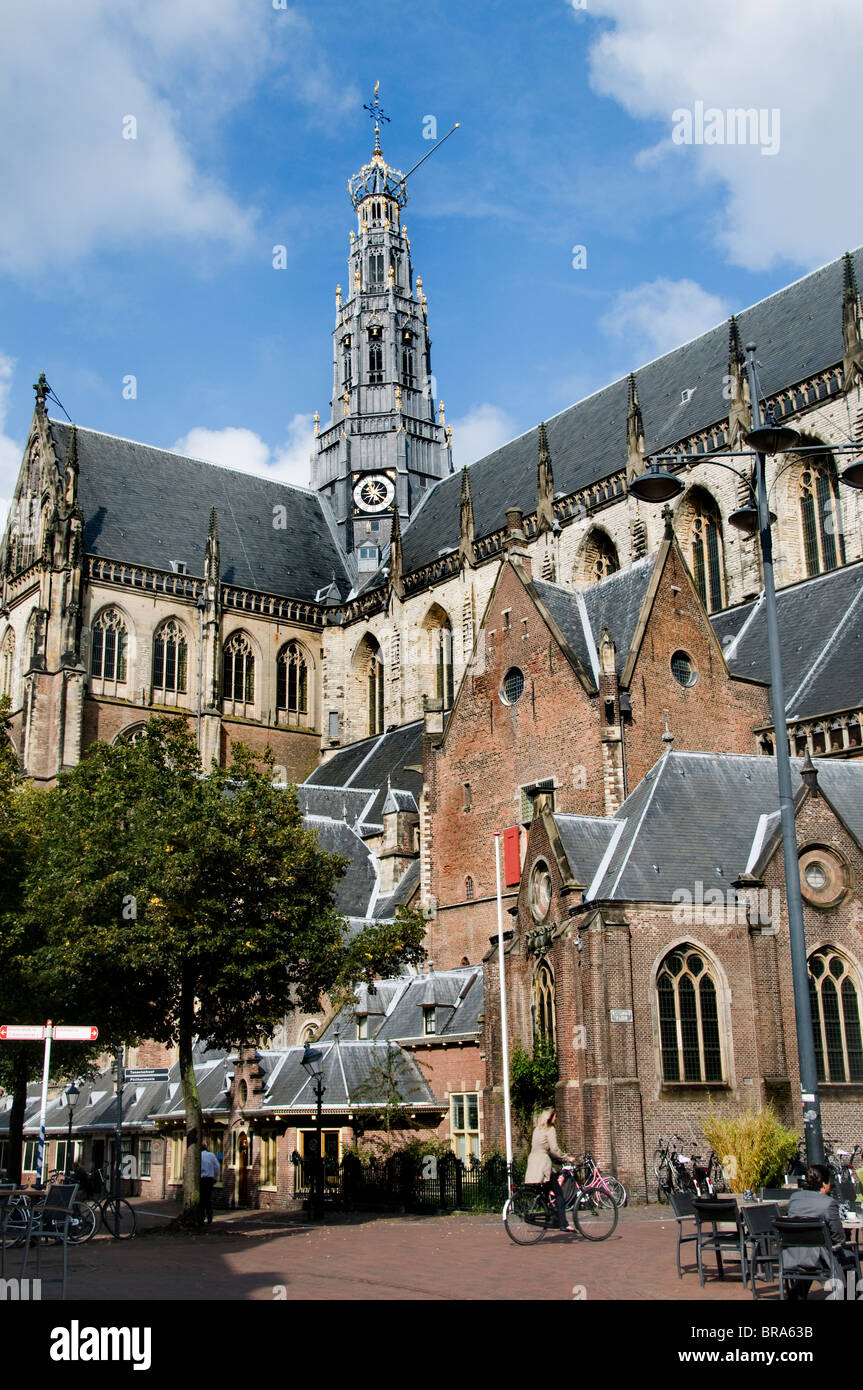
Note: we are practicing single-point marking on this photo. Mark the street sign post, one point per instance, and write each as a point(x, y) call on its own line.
point(139, 1074)
point(35, 1032)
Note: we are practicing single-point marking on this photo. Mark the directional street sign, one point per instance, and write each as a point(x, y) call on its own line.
point(145, 1074)
point(38, 1032)
point(35, 1032)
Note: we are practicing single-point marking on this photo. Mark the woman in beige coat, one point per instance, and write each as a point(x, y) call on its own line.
point(543, 1149)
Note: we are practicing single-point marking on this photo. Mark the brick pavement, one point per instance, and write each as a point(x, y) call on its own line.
point(250, 1256)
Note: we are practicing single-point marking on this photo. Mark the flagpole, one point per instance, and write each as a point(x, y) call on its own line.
point(504, 1032)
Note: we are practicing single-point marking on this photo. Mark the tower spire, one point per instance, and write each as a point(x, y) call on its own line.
point(634, 431)
point(544, 485)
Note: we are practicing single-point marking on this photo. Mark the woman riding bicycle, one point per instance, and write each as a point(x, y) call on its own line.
point(543, 1149)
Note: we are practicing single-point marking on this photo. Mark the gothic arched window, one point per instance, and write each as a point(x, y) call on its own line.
point(376, 362)
point(469, 889)
point(543, 1004)
point(820, 515)
point(707, 551)
point(599, 559)
point(377, 274)
point(408, 360)
point(7, 664)
point(439, 629)
point(347, 370)
point(292, 681)
point(170, 659)
point(239, 670)
point(376, 691)
point(109, 649)
point(688, 1017)
point(835, 1000)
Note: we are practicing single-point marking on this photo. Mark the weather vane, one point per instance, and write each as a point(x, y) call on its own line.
point(374, 109)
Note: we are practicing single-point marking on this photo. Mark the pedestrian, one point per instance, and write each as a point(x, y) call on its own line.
point(209, 1177)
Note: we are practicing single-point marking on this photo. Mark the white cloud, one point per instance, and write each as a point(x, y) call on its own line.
point(72, 184)
point(800, 205)
point(660, 315)
point(484, 428)
point(10, 451)
point(247, 452)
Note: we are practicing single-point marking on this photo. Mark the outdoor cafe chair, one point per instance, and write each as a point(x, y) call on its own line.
point(684, 1212)
point(759, 1240)
point(711, 1214)
point(795, 1233)
point(50, 1220)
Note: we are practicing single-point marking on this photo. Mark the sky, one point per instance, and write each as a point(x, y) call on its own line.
point(596, 207)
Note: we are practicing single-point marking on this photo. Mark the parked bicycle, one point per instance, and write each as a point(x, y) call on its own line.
point(116, 1214)
point(605, 1185)
point(676, 1171)
point(530, 1211)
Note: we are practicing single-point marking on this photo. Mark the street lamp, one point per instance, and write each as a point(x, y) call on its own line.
point(657, 485)
point(312, 1061)
point(72, 1094)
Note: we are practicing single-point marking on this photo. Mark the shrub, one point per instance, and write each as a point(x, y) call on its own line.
point(754, 1146)
point(531, 1083)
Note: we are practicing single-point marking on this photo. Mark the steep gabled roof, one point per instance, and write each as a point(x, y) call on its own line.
point(821, 640)
point(798, 331)
point(146, 506)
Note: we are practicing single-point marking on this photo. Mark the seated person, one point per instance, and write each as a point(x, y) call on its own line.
point(813, 1202)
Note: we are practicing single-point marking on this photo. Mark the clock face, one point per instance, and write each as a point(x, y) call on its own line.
point(374, 493)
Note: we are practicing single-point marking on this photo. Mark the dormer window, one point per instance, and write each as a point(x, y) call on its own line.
point(429, 1020)
point(362, 1027)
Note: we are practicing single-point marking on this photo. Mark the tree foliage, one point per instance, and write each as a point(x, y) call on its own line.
point(181, 905)
point(532, 1080)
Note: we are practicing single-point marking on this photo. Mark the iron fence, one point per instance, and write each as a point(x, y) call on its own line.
point(404, 1181)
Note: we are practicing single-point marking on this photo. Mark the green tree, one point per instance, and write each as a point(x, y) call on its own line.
point(26, 994)
point(531, 1082)
point(186, 906)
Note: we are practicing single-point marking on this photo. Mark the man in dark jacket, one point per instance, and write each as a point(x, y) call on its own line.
point(813, 1202)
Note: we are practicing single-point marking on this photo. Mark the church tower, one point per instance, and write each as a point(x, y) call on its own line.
point(386, 442)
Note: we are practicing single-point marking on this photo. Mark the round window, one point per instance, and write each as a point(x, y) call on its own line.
point(513, 686)
point(683, 670)
point(824, 876)
point(539, 892)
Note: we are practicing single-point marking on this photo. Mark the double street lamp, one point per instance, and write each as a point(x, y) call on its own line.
point(657, 485)
point(313, 1062)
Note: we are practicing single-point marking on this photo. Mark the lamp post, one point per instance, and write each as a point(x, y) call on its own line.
point(72, 1093)
point(313, 1059)
point(657, 485)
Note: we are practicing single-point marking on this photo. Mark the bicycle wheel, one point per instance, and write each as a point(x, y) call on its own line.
point(593, 1220)
point(617, 1191)
point(83, 1224)
point(665, 1184)
point(118, 1217)
point(17, 1222)
point(526, 1216)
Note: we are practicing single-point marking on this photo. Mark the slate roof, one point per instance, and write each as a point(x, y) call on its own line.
point(615, 603)
point(376, 764)
point(798, 331)
point(821, 637)
point(396, 1010)
point(675, 829)
point(347, 1077)
point(585, 840)
point(357, 890)
point(146, 506)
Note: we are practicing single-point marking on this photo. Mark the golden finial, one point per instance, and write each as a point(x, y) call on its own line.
point(365, 225)
point(449, 436)
point(425, 303)
point(353, 238)
point(346, 402)
point(357, 277)
point(420, 286)
point(398, 398)
point(317, 423)
point(338, 296)
point(441, 410)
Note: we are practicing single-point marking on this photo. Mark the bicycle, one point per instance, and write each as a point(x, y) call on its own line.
point(608, 1189)
point(115, 1213)
point(530, 1211)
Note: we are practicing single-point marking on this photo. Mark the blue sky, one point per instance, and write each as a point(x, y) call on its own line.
point(152, 257)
